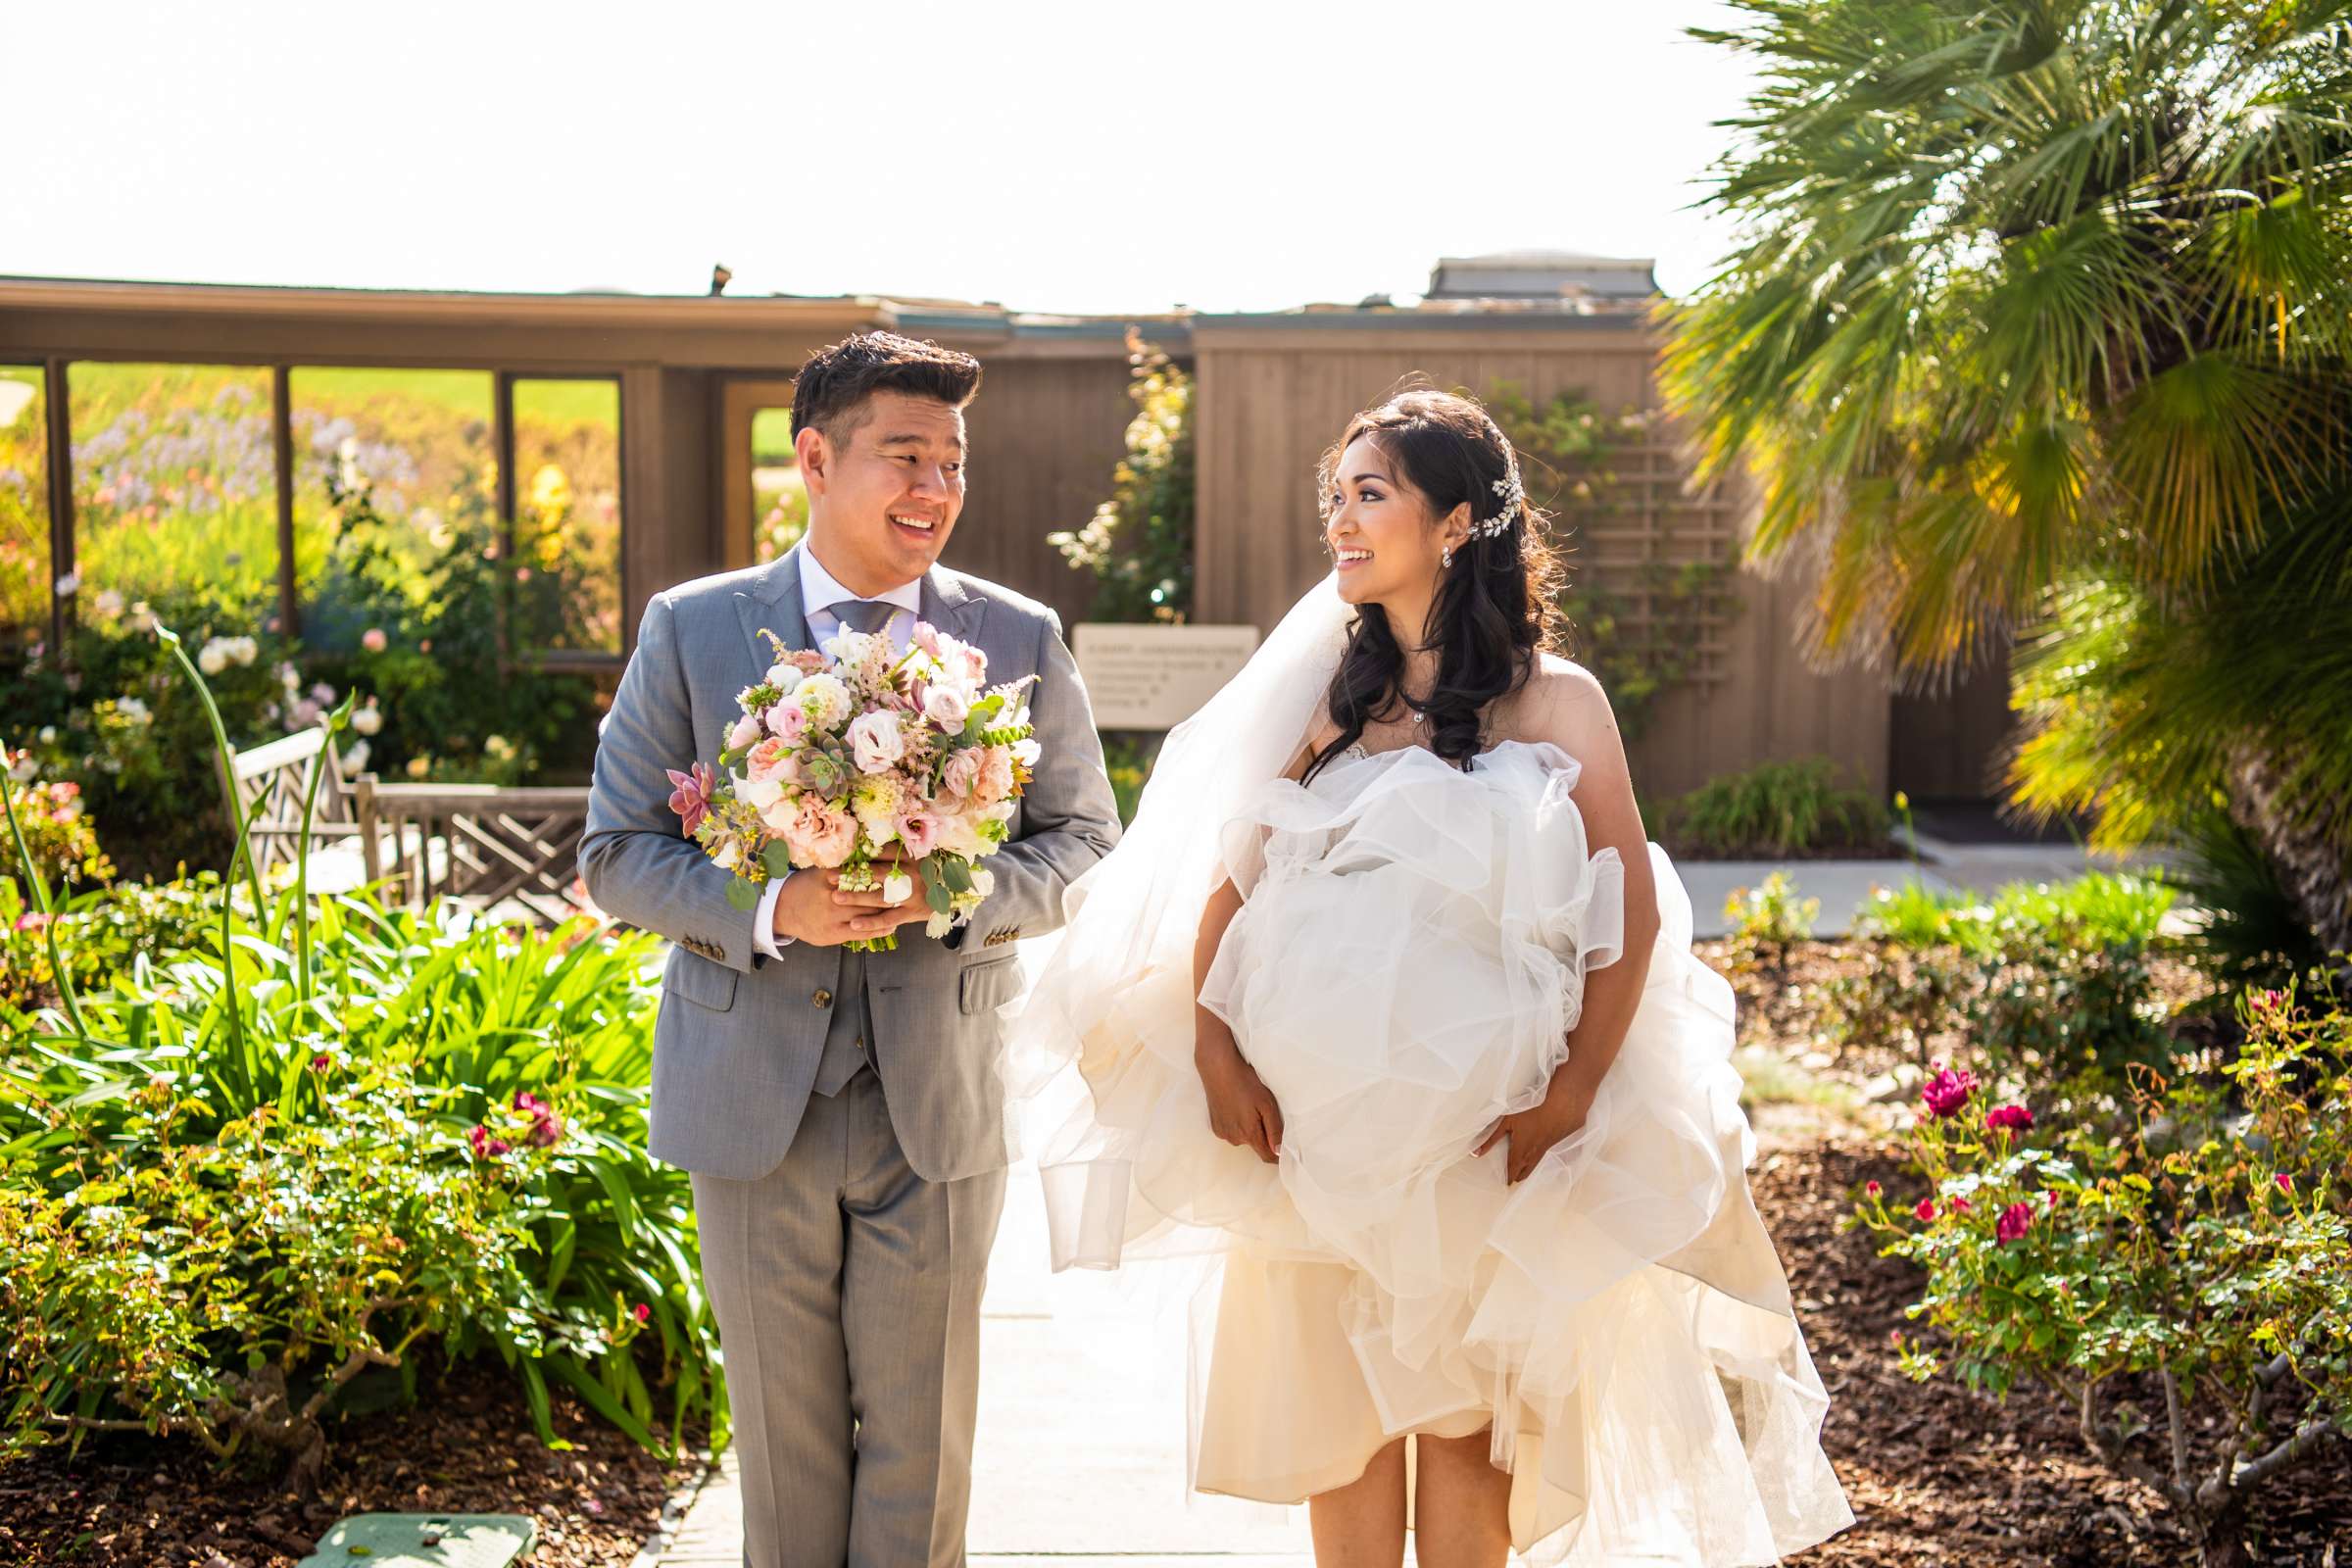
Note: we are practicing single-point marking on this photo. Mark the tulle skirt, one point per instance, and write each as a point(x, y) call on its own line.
point(1407, 964)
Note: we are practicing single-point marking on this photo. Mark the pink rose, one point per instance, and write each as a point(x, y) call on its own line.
point(996, 775)
point(787, 721)
point(1948, 1090)
point(960, 778)
point(373, 639)
point(926, 637)
point(2003, 1117)
point(2015, 1221)
point(820, 834)
point(771, 761)
point(1926, 1209)
point(746, 731)
point(919, 831)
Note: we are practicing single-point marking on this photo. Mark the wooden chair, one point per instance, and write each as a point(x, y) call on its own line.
point(270, 781)
point(516, 848)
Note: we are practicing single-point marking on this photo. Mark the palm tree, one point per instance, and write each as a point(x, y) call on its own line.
point(2039, 326)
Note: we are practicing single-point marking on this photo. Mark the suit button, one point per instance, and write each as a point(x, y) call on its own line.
point(862, 1045)
point(823, 998)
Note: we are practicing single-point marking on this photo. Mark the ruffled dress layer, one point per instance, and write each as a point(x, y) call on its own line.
point(1409, 959)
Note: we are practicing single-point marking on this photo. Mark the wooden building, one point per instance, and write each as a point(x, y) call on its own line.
point(695, 373)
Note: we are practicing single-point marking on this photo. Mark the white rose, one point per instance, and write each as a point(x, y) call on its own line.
point(48, 735)
point(760, 793)
point(939, 926)
point(355, 761)
point(369, 719)
point(945, 707)
point(244, 650)
point(130, 707)
point(784, 678)
point(875, 741)
point(212, 658)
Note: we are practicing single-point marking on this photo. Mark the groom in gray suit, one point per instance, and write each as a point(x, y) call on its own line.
point(841, 1112)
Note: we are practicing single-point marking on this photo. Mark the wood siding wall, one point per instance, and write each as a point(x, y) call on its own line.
point(1271, 399)
point(1046, 434)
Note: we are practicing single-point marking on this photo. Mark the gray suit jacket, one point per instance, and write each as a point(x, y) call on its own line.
point(736, 1046)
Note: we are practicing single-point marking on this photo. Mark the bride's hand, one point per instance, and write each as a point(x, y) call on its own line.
point(1241, 1108)
point(1534, 1132)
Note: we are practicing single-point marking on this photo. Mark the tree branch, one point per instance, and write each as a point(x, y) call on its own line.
point(2257, 1471)
point(2179, 1425)
point(2120, 1459)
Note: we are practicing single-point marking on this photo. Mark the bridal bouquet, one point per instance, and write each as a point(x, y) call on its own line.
point(863, 761)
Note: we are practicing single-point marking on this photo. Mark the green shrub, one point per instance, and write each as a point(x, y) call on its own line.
point(1775, 809)
point(57, 831)
point(199, 1155)
point(104, 931)
point(2044, 980)
point(2208, 1249)
point(1138, 544)
point(1767, 920)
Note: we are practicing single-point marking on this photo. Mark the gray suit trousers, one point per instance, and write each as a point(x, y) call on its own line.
point(848, 1291)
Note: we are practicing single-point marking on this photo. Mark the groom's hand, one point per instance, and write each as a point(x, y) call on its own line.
point(870, 913)
point(813, 906)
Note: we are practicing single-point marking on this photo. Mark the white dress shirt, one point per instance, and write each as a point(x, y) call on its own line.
point(820, 593)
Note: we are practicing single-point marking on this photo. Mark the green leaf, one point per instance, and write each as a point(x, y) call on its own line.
point(743, 894)
point(777, 858)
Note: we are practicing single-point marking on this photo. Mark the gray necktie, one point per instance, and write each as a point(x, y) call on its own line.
point(865, 614)
point(849, 1041)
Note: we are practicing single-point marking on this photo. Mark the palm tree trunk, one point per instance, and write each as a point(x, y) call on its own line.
point(2314, 868)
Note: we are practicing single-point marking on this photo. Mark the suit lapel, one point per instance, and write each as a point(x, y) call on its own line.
point(771, 602)
point(948, 606)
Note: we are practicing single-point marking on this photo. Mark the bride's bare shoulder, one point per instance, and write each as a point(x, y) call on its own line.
point(1563, 702)
point(1320, 732)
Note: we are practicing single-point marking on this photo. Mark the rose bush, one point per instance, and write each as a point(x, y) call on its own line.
point(2198, 1259)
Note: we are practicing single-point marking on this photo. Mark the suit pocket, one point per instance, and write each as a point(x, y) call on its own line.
point(700, 981)
point(986, 987)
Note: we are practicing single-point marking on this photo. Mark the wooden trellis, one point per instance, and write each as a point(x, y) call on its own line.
point(1642, 521)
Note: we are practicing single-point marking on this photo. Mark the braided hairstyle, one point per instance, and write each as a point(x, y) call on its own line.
point(1495, 605)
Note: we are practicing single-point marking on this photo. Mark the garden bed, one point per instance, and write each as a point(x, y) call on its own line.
point(467, 1446)
point(1938, 1475)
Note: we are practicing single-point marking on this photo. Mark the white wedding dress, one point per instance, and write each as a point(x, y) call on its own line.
point(1408, 960)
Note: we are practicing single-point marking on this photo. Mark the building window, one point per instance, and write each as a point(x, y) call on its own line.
point(394, 470)
point(175, 490)
point(566, 537)
point(24, 567)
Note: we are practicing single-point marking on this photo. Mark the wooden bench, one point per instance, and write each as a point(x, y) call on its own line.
point(514, 849)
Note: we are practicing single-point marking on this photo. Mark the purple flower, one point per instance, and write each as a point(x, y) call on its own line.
point(1948, 1090)
point(2003, 1117)
point(2015, 1221)
point(484, 1146)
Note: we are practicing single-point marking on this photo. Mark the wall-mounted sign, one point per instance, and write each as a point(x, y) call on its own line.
point(1155, 677)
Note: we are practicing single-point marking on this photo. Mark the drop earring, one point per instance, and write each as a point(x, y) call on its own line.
point(1446, 558)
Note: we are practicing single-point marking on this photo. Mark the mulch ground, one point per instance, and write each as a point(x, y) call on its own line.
point(467, 1446)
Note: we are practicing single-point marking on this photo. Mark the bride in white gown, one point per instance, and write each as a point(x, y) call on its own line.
point(1386, 1001)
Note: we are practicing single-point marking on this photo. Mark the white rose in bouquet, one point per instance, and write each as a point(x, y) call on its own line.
point(876, 742)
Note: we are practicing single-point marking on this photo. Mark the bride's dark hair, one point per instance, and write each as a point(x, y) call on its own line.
point(1494, 608)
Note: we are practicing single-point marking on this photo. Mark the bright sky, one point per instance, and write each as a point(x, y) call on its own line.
point(1097, 156)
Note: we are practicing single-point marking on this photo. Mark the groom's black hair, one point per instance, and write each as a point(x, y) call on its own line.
point(836, 382)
